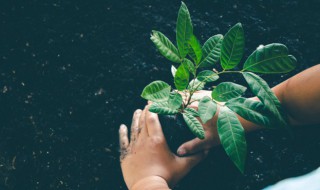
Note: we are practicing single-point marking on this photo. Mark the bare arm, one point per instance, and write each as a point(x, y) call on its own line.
point(147, 163)
point(299, 95)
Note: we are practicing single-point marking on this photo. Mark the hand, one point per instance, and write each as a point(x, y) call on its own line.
point(211, 135)
point(147, 158)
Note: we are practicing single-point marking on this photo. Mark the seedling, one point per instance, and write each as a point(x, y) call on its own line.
point(196, 66)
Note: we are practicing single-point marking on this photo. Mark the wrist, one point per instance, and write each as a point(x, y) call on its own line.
point(151, 183)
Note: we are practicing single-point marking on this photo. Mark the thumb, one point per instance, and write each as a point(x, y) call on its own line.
point(191, 147)
point(189, 162)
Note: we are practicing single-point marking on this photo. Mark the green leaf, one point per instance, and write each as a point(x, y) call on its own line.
point(156, 91)
point(195, 51)
point(181, 78)
point(162, 108)
point(175, 100)
point(211, 51)
point(192, 111)
point(227, 90)
point(261, 89)
point(184, 30)
point(207, 108)
point(189, 65)
point(207, 76)
point(232, 137)
point(195, 85)
point(165, 46)
point(249, 109)
point(232, 47)
point(173, 70)
point(270, 59)
point(194, 125)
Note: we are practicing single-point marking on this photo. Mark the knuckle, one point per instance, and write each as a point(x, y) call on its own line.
point(151, 119)
point(156, 141)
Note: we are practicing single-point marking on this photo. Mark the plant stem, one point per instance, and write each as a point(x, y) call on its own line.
point(225, 72)
point(192, 91)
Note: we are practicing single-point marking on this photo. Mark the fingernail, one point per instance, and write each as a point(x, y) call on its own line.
point(122, 127)
point(181, 151)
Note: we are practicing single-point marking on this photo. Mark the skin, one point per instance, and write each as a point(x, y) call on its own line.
point(299, 96)
point(147, 162)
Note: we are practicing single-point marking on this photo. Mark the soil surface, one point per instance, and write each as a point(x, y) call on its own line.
point(72, 71)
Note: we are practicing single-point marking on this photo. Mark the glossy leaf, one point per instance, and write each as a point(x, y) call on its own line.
point(227, 90)
point(195, 51)
point(162, 108)
point(232, 137)
point(207, 108)
point(270, 59)
point(175, 100)
point(195, 85)
point(261, 89)
point(156, 91)
point(165, 46)
point(207, 76)
point(189, 65)
point(192, 111)
point(249, 109)
point(184, 30)
point(181, 79)
point(173, 70)
point(232, 47)
point(194, 125)
point(211, 51)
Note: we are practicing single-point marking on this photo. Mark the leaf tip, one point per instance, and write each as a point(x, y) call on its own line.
point(201, 136)
point(239, 24)
point(293, 59)
point(241, 169)
point(219, 36)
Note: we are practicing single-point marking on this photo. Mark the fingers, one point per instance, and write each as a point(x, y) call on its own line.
point(192, 146)
point(153, 124)
point(123, 137)
point(135, 125)
point(123, 140)
point(142, 123)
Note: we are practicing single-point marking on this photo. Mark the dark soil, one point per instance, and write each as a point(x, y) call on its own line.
point(72, 71)
point(175, 130)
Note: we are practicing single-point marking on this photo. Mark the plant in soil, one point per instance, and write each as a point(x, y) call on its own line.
point(196, 66)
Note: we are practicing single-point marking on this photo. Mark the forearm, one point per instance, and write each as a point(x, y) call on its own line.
point(300, 97)
point(151, 183)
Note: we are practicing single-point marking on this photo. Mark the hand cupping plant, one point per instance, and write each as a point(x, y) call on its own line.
point(191, 75)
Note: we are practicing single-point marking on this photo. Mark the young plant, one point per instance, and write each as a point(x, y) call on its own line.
point(191, 75)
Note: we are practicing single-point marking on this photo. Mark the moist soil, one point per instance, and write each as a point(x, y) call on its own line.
point(72, 71)
point(175, 130)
